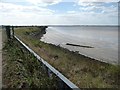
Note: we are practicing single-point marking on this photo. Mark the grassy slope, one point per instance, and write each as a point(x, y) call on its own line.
point(22, 70)
point(82, 71)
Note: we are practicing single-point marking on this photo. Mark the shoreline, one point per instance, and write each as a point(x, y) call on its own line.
point(99, 48)
point(82, 69)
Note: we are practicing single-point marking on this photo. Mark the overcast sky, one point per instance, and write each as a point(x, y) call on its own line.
point(59, 12)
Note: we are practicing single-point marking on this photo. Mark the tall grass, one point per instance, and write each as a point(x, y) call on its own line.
point(22, 70)
point(83, 71)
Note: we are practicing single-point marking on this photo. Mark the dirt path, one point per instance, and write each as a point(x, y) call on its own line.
point(0, 58)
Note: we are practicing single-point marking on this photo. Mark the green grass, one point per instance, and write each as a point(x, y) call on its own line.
point(22, 70)
point(83, 71)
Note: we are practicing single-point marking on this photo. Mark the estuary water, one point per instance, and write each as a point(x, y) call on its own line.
point(103, 39)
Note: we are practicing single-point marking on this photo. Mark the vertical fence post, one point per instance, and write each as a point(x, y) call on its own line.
point(13, 31)
point(8, 32)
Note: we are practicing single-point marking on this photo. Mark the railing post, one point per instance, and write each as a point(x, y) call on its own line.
point(44, 68)
point(49, 73)
point(13, 31)
point(8, 32)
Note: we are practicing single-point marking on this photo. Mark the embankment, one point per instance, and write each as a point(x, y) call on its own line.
point(83, 71)
point(22, 70)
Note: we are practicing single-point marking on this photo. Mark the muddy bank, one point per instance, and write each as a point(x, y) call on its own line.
point(83, 71)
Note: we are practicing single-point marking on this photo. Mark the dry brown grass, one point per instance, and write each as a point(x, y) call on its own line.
point(83, 71)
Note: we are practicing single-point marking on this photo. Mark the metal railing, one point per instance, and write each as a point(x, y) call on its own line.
point(50, 68)
point(64, 82)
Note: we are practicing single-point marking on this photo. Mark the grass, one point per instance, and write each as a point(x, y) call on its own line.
point(83, 71)
point(22, 70)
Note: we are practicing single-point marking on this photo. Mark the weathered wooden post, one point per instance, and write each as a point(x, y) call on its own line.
point(13, 31)
point(8, 32)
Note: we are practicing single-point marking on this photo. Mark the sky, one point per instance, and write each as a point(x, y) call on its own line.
point(59, 12)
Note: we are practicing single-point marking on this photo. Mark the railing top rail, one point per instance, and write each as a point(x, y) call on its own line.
point(56, 72)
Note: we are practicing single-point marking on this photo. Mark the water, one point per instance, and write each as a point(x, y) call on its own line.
point(103, 39)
